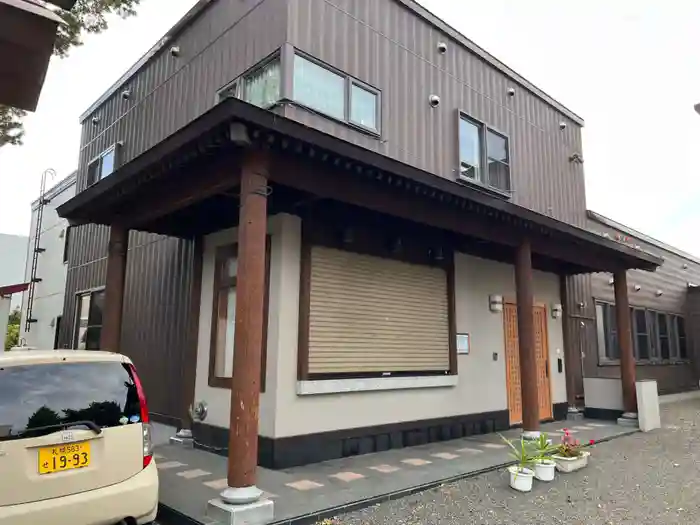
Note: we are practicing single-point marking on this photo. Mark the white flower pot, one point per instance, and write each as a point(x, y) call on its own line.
point(544, 470)
point(565, 464)
point(521, 479)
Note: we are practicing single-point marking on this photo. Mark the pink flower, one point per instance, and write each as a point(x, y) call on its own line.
point(591, 442)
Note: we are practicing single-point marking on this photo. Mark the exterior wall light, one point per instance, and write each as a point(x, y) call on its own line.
point(611, 281)
point(556, 311)
point(496, 303)
point(637, 287)
point(659, 293)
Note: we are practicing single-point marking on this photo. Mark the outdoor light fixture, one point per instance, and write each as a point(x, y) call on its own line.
point(511, 92)
point(95, 120)
point(396, 245)
point(437, 254)
point(637, 287)
point(577, 158)
point(685, 266)
point(611, 281)
point(126, 94)
point(175, 51)
point(496, 303)
point(348, 236)
point(659, 293)
point(562, 126)
point(442, 48)
point(556, 311)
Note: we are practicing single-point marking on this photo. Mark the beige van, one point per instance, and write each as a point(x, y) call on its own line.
point(75, 440)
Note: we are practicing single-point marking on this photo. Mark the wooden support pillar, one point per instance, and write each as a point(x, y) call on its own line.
point(248, 338)
point(110, 338)
point(526, 340)
point(572, 358)
point(624, 334)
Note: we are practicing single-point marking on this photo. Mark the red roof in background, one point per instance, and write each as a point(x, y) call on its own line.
point(13, 288)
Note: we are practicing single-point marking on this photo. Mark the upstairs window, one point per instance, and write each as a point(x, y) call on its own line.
point(102, 166)
point(335, 94)
point(484, 155)
point(260, 86)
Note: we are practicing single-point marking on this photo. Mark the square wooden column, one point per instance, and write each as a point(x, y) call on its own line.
point(248, 338)
point(110, 338)
point(526, 340)
point(624, 335)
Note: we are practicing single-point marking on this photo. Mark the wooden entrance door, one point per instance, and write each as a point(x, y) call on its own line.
point(510, 322)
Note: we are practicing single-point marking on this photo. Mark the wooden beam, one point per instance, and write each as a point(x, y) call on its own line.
point(249, 332)
point(214, 178)
point(624, 335)
point(526, 339)
point(110, 338)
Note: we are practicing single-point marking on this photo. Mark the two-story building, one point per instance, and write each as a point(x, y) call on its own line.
point(380, 214)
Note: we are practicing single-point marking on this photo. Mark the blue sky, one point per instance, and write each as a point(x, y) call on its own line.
point(631, 69)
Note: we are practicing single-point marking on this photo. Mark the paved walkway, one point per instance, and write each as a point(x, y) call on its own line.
point(642, 479)
point(190, 478)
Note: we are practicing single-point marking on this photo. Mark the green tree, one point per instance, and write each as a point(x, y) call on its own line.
point(12, 336)
point(88, 16)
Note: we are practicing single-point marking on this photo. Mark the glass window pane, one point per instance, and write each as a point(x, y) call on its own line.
point(96, 306)
point(107, 164)
point(40, 395)
point(84, 307)
point(92, 337)
point(612, 346)
point(226, 330)
point(664, 347)
point(640, 320)
point(682, 348)
point(499, 175)
point(231, 267)
point(319, 88)
point(93, 172)
point(470, 149)
point(262, 87)
point(497, 147)
point(363, 107)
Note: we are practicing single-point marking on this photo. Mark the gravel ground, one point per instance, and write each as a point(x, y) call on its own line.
point(644, 479)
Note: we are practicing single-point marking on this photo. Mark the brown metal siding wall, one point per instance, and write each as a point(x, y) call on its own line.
point(672, 279)
point(155, 330)
point(384, 44)
point(228, 38)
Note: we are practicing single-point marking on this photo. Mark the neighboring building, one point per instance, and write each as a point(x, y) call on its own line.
point(13, 250)
point(408, 183)
point(49, 292)
point(662, 304)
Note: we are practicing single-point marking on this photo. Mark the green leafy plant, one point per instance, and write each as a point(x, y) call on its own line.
point(543, 448)
point(521, 452)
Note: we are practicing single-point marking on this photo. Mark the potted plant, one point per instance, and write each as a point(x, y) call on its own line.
point(569, 455)
point(544, 465)
point(520, 473)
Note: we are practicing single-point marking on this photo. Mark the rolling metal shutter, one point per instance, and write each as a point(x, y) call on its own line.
point(369, 314)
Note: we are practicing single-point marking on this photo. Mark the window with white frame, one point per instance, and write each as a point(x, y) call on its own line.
point(656, 336)
point(88, 320)
point(335, 94)
point(484, 155)
point(103, 165)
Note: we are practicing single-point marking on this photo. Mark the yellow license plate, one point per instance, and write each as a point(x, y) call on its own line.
point(64, 457)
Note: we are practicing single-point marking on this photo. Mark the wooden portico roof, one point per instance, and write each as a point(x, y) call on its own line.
point(456, 206)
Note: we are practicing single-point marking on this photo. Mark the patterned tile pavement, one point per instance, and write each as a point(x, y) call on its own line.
point(189, 478)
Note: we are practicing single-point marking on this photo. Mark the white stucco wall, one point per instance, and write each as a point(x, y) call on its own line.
point(480, 385)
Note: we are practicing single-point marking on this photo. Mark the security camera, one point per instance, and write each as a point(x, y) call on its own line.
point(175, 51)
point(95, 120)
point(434, 101)
point(126, 94)
point(562, 126)
point(442, 48)
point(511, 92)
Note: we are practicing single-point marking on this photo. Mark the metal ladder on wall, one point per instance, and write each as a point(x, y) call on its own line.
point(33, 278)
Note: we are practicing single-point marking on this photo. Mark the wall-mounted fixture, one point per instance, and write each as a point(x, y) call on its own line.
point(637, 287)
point(659, 293)
point(126, 94)
point(53, 322)
point(581, 305)
point(496, 303)
point(562, 125)
point(691, 285)
point(685, 266)
point(434, 101)
point(442, 48)
point(199, 411)
point(577, 158)
point(556, 311)
point(348, 236)
point(396, 245)
point(611, 281)
point(62, 234)
point(95, 120)
point(511, 92)
point(437, 254)
point(175, 51)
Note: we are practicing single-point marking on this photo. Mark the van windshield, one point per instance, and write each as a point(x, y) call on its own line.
point(58, 394)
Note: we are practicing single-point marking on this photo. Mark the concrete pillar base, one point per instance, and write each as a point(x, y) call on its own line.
point(259, 512)
point(628, 419)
